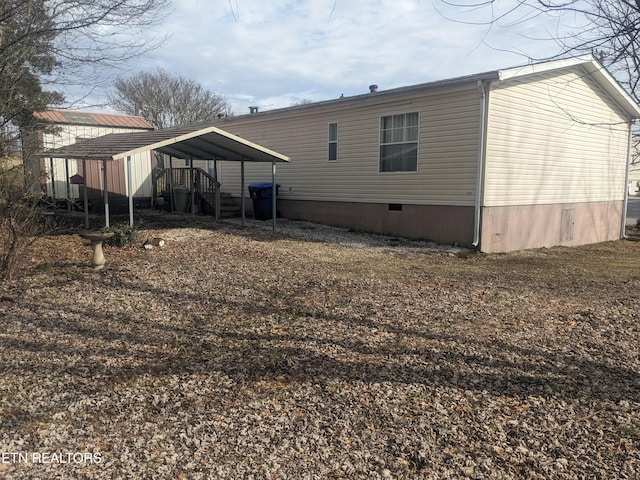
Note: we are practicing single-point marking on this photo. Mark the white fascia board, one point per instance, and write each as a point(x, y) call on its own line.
point(510, 73)
point(197, 133)
point(613, 88)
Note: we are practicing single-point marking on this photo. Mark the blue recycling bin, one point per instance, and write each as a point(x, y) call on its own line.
point(262, 194)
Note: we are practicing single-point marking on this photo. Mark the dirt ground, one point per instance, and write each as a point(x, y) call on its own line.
point(241, 353)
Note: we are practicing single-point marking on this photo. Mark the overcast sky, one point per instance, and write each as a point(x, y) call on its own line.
point(276, 53)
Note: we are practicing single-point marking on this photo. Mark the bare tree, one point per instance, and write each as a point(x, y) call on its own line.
point(92, 38)
point(167, 100)
point(610, 29)
point(25, 57)
point(46, 45)
point(21, 218)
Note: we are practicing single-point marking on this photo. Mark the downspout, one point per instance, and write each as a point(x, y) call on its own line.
point(623, 227)
point(480, 168)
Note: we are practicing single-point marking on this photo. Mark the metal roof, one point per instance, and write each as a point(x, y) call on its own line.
point(75, 117)
point(588, 63)
point(191, 142)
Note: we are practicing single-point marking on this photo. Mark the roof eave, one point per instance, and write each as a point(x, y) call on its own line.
point(221, 145)
point(377, 96)
point(592, 67)
point(211, 129)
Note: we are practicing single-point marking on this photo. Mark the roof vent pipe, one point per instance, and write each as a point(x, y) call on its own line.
point(373, 88)
point(253, 110)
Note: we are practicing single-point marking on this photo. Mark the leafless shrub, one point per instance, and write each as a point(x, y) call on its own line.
point(21, 217)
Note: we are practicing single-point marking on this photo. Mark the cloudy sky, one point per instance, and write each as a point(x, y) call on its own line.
point(276, 53)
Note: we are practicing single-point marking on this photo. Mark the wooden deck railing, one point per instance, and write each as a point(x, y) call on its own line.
point(202, 188)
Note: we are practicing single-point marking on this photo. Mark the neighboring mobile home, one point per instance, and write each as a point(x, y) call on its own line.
point(525, 157)
point(71, 126)
point(634, 166)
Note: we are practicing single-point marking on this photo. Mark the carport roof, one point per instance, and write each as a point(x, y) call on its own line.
point(190, 142)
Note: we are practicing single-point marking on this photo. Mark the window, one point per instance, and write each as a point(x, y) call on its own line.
point(399, 143)
point(333, 142)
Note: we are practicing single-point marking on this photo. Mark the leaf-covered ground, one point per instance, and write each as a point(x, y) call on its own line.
point(241, 353)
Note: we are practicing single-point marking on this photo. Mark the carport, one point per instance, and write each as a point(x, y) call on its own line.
point(188, 143)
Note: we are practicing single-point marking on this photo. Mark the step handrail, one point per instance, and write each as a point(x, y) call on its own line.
point(195, 179)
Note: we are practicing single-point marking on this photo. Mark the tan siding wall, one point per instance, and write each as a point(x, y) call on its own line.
point(554, 140)
point(141, 178)
point(68, 134)
point(508, 228)
point(447, 157)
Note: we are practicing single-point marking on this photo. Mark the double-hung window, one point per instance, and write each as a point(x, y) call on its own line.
point(399, 142)
point(333, 142)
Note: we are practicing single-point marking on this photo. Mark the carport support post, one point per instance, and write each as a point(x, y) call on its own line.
point(274, 191)
point(171, 183)
point(53, 180)
point(66, 172)
point(216, 188)
point(85, 194)
point(242, 192)
point(130, 190)
point(105, 176)
point(191, 183)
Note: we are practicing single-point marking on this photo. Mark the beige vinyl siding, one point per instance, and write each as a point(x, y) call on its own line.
point(555, 139)
point(141, 178)
point(447, 149)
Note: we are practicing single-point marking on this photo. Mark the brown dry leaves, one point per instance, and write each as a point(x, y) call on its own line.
point(240, 353)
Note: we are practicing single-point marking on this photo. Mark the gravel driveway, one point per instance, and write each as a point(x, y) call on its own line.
point(243, 354)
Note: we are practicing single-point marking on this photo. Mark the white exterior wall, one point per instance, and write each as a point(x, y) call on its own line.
point(141, 177)
point(447, 149)
point(554, 139)
point(67, 134)
point(59, 178)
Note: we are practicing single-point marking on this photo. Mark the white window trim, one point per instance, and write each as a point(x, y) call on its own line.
point(330, 142)
point(402, 172)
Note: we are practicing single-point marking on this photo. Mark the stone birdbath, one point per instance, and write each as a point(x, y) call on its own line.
point(96, 239)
